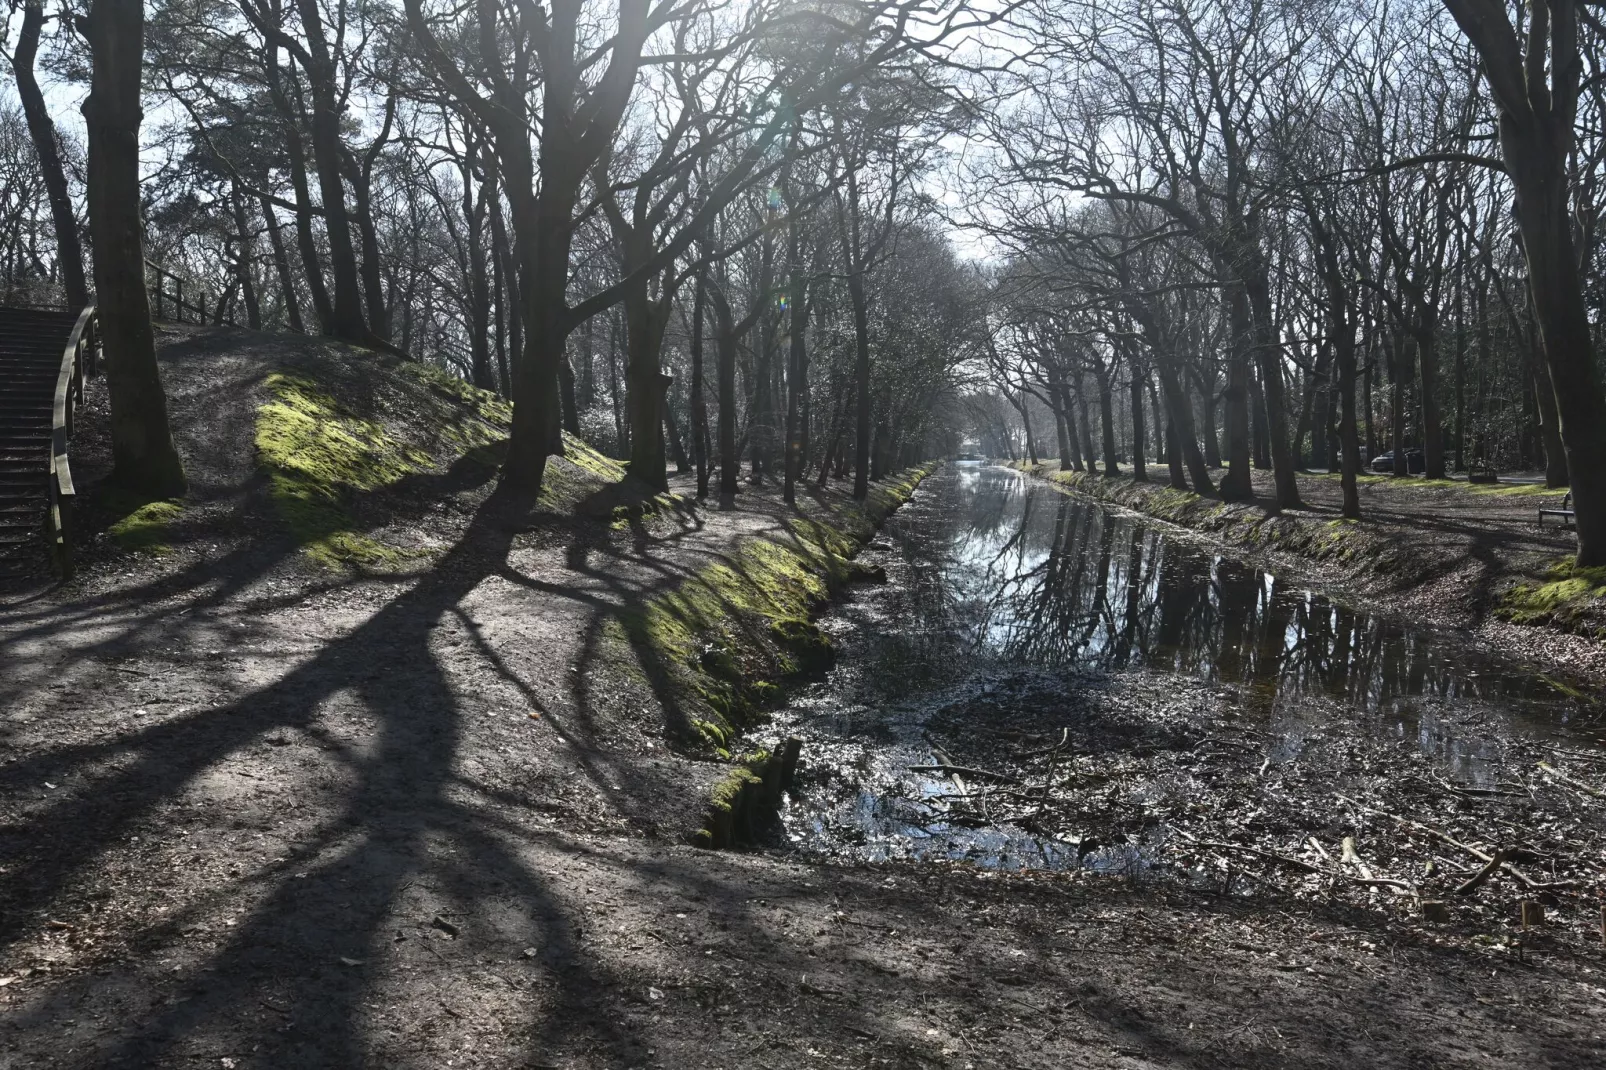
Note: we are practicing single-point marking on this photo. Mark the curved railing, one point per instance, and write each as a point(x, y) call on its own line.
point(77, 360)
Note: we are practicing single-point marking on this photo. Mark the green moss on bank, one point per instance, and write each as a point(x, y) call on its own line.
point(146, 526)
point(1502, 490)
point(736, 624)
point(1339, 541)
point(317, 454)
point(723, 639)
point(364, 424)
point(1568, 597)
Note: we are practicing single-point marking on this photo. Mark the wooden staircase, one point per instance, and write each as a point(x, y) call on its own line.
point(44, 354)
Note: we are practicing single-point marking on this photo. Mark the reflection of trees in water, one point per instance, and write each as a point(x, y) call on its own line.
point(1042, 578)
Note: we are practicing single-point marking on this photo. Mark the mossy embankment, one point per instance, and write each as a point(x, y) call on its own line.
point(1373, 554)
point(1409, 553)
point(1566, 597)
point(725, 641)
point(336, 449)
point(330, 443)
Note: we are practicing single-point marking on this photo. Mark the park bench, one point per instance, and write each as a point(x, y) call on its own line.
point(1482, 473)
point(1565, 511)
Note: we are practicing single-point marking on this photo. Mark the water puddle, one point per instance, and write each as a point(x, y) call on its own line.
point(1015, 609)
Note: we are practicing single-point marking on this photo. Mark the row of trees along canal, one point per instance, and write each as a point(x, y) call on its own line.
point(1229, 231)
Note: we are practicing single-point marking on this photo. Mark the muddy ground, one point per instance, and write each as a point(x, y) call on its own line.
point(255, 815)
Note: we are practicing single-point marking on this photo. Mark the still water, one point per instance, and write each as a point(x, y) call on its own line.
point(1004, 589)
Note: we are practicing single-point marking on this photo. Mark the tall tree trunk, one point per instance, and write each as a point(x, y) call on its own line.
point(1107, 419)
point(1460, 378)
point(1208, 405)
point(1536, 142)
point(1236, 485)
point(47, 147)
point(646, 384)
point(861, 384)
point(1318, 405)
point(1549, 425)
point(373, 286)
point(295, 152)
point(479, 286)
point(1056, 403)
point(1371, 413)
point(677, 448)
point(797, 377)
point(1173, 457)
point(543, 235)
point(1085, 442)
point(1140, 472)
point(1025, 408)
point(1426, 329)
point(143, 456)
point(345, 315)
point(1269, 357)
point(621, 432)
point(833, 441)
point(1399, 349)
point(761, 409)
point(1341, 324)
point(1259, 442)
point(725, 373)
point(248, 286)
point(569, 413)
point(1313, 413)
point(281, 267)
point(499, 305)
point(699, 404)
point(510, 293)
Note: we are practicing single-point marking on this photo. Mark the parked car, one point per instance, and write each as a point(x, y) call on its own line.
point(1415, 462)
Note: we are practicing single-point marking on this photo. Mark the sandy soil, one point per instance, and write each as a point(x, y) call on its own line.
point(255, 815)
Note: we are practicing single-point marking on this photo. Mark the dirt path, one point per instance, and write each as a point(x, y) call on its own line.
point(1496, 534)
point(257, 815)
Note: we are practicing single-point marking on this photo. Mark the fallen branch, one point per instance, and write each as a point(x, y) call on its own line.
point(963, 770)
point(1299, 864)
point(1475, 882)
point(1065, 739)
point(1475, 793)
point(1551, 771)
point(1353, 857)
point(1048, 780)
point(1292, 863)
point(1482, 856)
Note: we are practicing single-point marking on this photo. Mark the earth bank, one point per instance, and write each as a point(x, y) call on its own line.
point(426, 809)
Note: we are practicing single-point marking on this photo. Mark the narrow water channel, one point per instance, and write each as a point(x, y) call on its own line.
point(1009, 603)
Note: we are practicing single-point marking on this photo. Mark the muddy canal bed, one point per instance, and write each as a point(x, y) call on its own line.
point(1045, 684)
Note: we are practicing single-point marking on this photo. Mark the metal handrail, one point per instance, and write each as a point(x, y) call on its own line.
point(69, 395)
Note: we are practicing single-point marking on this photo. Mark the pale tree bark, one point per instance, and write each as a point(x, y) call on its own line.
point(143, 456)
